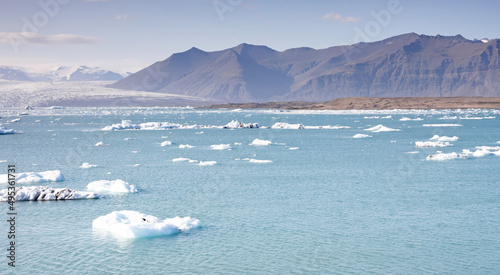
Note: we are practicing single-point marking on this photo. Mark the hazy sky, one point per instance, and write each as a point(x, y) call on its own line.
point(127, 35)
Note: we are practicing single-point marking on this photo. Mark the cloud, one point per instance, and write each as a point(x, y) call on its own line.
point(40, 39)
point(337, 17)
point(122, 16)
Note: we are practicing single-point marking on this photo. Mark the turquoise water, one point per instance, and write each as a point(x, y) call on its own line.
point(336, 205)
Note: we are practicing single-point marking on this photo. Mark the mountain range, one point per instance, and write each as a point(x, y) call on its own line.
point(60, 74)
point(408, 65)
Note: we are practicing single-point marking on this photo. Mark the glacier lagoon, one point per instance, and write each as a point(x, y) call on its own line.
point(314, 200)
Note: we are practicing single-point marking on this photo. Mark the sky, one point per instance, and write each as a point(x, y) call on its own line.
point(128, 35)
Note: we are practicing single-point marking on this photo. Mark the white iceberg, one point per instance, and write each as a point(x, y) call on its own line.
point(361, 136)
point(15, 120)
point(166, 143)
point(45, 193)
point(410, 119)
point(444, 138)
point(5, 131)
point(186, 146)
point(221, 146)
point(284, 125)
point(35, 177)
point(207, 163)
point(180, 159)
point(100, 143)
point(293, 148)
point(111, 186)
point(447, 156)
point(260, 161)
point(442, 125)
point(432, 144)
point(234, 124)
point(87, 165)
point(381, 128)
point(133, 224)
point(260, 142)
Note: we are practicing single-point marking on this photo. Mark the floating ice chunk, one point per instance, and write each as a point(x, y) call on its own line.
point(166, 143)
point(237, 124)
point(448, 156)
point(293, 148)
point(5, 131)
point(207, 163)
point(32, 177)
point(381, 128)
point(444, 138)
point(2, 160)
point(260, 142)
point(371, 117)
point(432, 144)
point(481, 153)
point(133, 224)
point(488, 147)
point(260, 161)
point(186, 146)
point(45, 193)
point(127, 138)
point(284, 125)
point(361, 136)
point(410, 119)
point(111, 186)
point(387, 117)
point(413, 152)
point(221, 146)
point(134, 152)
point(442, 125)
point(136, 165)
point(180, 159)
point(237, 143)
point(192, 160)
point(15, 120)
point(100, 143)
point(87, 165)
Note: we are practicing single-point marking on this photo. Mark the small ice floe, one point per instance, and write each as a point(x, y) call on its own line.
point(444, 138)
point(199, 133)
point(127, 138)
point(361, 136)
point(237, 124)
point(15, 120)
point(410, 119)
point(293, 148)
point(371, 117)
point(132, 224)
point(260, 161)
point(134, 152)
point(111, 186)
point(207, 163)
point(100, 143)
point(221, 146)
point(381, 128)
point(237, 143)
point(180, 159)
point(35, 177)
point(442, 125)
point(45, 193)
point(413, 152)
point(166, 143)
point(483, 151)
point(432, 144)
point(446, 156)
point(87, 165)
point(260, 142)
point(5, 131)
point(137, 165)
point(3, 160)
point(186, 146)
point(284, 125)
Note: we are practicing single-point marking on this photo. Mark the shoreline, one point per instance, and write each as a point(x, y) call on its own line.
point(373, 103)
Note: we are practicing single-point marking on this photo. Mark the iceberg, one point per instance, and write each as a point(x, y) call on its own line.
point(5, 131)
point(260, 142)
point(410, 119)
point(221, 146)
point(381, 128)
point(444, 138)
point(166, 143)
point(284, 125)
point(432, 144)
point(87, 165)
point(100, 143)
point(361, 136)
point(237, 124)
point(186, 146)
point(132, 224)
point(447, 156)
point(180, 159)
point(293, 148)
point(260, 161)
point(207, 163)
point(45, 193)
point(111, 186)
point(33, 177)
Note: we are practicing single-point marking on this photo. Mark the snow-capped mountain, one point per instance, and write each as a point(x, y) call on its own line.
point(63, 73)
